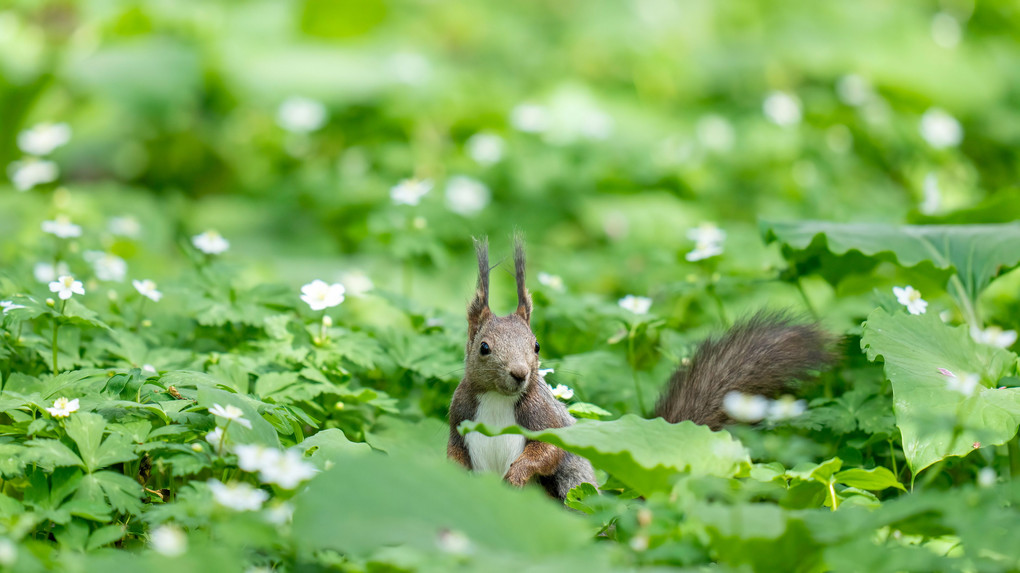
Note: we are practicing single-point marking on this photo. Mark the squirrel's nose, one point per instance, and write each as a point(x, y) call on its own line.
point(519, 372)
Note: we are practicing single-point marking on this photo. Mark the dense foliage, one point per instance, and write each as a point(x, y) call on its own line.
point(178, 393)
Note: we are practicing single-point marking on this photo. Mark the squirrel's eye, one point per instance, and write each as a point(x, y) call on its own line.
point(536, 348)
point(485, 349)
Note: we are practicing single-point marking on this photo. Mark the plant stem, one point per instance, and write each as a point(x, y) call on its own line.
point(56, 325)
point(892, 455)
point(832, 494)
point(223, 438)
point(966, 305)
point(803, 295)
point(719, 304)
point(1014, 456)
point(633, 369)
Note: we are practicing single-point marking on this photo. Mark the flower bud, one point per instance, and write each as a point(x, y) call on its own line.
point(327, 321)
point(339, 405)
point(146, 323)
point(196, 447)
point(51, 303)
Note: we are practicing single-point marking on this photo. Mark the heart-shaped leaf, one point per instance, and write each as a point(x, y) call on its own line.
point(923, 358)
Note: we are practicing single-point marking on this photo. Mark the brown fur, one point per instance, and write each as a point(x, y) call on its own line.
point(759, 356)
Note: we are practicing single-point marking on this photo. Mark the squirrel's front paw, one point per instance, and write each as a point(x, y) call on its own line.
point(517, 476)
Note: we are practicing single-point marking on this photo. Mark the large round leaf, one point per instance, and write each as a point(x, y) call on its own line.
point(935, 420)
point(977, 253)
point(644, 454)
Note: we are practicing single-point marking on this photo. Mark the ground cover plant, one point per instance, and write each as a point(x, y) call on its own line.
point(236, 250)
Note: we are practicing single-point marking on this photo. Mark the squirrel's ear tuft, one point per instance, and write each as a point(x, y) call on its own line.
point(523, 296)
point(478, 309)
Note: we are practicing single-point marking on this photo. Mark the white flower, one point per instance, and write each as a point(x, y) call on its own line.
point(940, 129)
point(46, 272)
point(745, 407)
point(945, 30)
point(786, 407)
point(147, 288)
point(636, 304)
point(126, 226)
point(150, 369)
point(485, 148)
point(986, 477)
point(410, 191)
point(704, 250)
point(287, 469)
point(237, 496)
point(107, 266)
point(215, 437)
point(356, 283)
point(168, 540)
point(8, 552)
point(43, 138)
point(301, 115)
point(854, 90)
point(529, 118)
point(29, 172)
point(320, 295)
point(65, 287)
point(992, 336)
point(62, 227)
point(707, 233)
point(552, 281)
point(280, 514)
point(965, 385)
point(210, 243)
point(466, 196)
point(561, 391)
point(231, 412)
point(715, 133)
point(782, 108)
point(910, 297)
point(543, 372)
point(410, 68)
point(62, 407)
point(454, 542)
point(253, 457)
point(932, 196)
point(8, 305)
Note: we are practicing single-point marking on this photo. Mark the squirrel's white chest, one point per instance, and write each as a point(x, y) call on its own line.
point(494, 454)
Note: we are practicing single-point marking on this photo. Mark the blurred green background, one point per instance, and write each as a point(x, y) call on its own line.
point(605, 130)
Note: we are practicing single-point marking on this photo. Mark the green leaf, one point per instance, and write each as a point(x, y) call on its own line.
point(586, 410)
point(330, 447)
point(875, 479)
point(105, 536)
point(51, 453)
point(977, 253)
point(86, 429)
point(935, 421)
point(261, 431)
point(375, 500)
point(645, 454)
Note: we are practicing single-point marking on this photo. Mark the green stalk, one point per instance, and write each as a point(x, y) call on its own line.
point(633, 369)
point(56, 326)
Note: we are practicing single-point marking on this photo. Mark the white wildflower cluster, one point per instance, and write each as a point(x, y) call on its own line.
point(230, 413)
point(555, 282)
point(410, 191)
point(570, 117)
point(62, 407)
point(708, 241)
point(168, 540)
point(301, 115)
point(107, 266)
point(782, 108)
point(635, 304)
point(210, 243)
point(966, 384)
point(319, 295)
point(237, 496)
point(466, 196)
point(66, 287)
point(940, 129)
point(751, 408)
point(147, 288)
point(61, 227)
point(38, 142)
point(993, 336)
point(286, 468)
point(561, 391)
point(910, 297)
point(485, 148)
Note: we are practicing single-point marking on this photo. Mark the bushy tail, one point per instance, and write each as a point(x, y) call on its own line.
point(759, 356)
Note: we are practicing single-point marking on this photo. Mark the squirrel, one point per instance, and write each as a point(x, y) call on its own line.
point(502, 385)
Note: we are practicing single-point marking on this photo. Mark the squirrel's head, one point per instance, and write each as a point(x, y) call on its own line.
point(502, 352)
